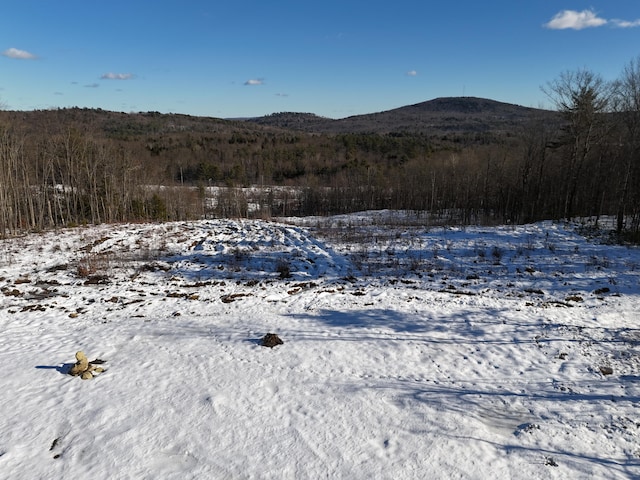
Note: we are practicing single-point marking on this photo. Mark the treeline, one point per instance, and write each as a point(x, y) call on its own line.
point(76, 166)
point(73, 178)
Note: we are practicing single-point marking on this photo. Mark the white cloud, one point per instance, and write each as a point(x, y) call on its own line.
point(92, 85)
point(412, 73)
point(18, 54)
point(117, 76)
point(626, 23)
point(575, 20)
point(255, 81)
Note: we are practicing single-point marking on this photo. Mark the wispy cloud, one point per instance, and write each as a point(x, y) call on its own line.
point(625, 23)
point(282, 94)
point(117, 76)
point(18, 54)
point(92, 85)
point(412, 73)
point(255, 81)
point(574, 20)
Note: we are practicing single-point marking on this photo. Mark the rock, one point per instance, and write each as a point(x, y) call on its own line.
point(606, 370)
point(83, 368)
point(271, 340)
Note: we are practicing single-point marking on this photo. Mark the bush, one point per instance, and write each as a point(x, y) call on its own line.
point(283, 268)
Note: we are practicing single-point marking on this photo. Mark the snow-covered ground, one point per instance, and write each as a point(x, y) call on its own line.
point(506, 352)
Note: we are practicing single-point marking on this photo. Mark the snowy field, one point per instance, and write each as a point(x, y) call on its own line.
point(409, 352)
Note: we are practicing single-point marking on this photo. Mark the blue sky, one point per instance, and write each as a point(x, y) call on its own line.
point(333, 58)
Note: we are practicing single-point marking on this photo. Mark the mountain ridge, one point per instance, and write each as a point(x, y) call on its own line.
point(441, 115)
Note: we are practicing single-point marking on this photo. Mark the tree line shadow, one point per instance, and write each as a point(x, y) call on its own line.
point(478, 326)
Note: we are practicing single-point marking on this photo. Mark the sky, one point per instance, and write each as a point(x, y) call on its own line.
point(333, 58)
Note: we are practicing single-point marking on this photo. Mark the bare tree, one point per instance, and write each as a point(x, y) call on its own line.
point(627, 105)
point(16, 198)
point(582, 97)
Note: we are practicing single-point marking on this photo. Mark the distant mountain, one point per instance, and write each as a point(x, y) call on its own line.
point(291, 120)
point(123, 125)
point(479, 118)
point(440, 116)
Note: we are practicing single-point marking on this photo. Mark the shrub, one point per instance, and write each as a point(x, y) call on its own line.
point(283, 268)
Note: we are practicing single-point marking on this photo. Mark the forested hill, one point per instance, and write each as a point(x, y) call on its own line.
point(129, 126)
point(483, 160)
point(441, 116)
point(462, 116)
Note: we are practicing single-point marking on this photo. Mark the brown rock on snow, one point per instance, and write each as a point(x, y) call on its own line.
point(271, 340)
point(606, 370)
